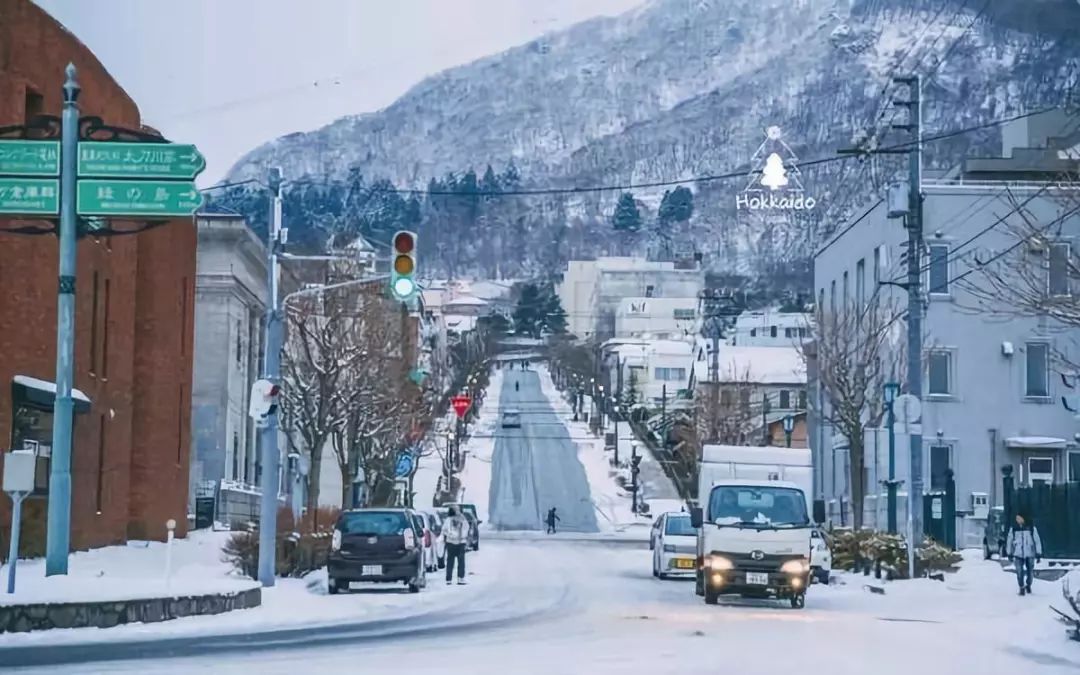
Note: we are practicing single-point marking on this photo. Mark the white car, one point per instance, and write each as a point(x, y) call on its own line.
point(674, 545)
point(820, 557)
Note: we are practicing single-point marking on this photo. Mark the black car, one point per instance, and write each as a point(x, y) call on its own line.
point(380, 545)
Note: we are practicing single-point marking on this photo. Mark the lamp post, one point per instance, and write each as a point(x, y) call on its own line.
point(789, 426)
point(892, 390)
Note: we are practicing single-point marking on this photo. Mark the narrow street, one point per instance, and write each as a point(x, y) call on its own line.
point(536, 467)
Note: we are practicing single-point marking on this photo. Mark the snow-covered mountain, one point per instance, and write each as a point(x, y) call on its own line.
point(679, 89)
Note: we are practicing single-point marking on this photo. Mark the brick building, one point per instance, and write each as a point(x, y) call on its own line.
point(134, 334)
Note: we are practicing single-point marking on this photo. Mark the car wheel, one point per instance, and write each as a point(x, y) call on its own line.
point(332, 586)
point(711, 596)
point(655, 567)
point(798, 601)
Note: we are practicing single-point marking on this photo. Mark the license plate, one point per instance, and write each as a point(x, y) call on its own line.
point(757, 578)
point(371, 570)
point(684, 564)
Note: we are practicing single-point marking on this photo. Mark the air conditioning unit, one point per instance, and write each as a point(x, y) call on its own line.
point(980, 505)
point(1007, 348)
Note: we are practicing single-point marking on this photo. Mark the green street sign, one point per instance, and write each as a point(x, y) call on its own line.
point(30, 158)
point(139, 160)
point(137, 198)
point(30, 196)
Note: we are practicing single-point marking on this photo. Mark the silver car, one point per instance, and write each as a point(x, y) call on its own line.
point(511, 419)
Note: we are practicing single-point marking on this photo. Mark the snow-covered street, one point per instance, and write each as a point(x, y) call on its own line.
point(551, 606)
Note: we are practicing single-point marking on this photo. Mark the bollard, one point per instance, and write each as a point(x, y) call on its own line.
point(170, 525)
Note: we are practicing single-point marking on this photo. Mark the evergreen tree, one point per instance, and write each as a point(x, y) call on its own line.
point(554, 318)
point(627, 217)
point(490, 182)
point(527, 314)
point(630, 392)
point(677, 206)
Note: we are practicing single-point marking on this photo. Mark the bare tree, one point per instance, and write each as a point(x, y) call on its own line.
point(733, 416)
point(854, 351)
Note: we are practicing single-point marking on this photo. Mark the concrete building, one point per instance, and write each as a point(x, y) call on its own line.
point(657, 370)
point(591, 290)
point(770, 328)
point(992, 382)
point(134, 300)
point(230, 303)
point(661, 318)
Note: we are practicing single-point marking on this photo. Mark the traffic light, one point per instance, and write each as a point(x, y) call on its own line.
point(264, 400)
point(402, 282)
point(635, 461)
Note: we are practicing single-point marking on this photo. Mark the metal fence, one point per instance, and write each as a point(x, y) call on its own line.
point(1054, 510)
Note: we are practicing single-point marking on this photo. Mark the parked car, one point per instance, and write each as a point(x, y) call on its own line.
point(469, 511)
point(820, 556)
point(675, 547)
point(511, 419)
point(994, 533)
point(428, 538)
point(382, 545)
point(434, 522)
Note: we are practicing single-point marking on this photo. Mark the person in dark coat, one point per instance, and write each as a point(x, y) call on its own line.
point(552, 518)
point(1024, 548)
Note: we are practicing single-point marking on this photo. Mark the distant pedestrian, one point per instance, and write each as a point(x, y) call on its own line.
point(1024, 548)
point(456, 534)
point(552, 518)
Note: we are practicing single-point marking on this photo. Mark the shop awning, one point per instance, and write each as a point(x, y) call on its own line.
point(1040, 442)
point(42, 394)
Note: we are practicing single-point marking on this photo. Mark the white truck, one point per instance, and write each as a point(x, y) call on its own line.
point(753, 523)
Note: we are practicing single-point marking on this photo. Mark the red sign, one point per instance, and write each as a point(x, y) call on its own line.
point(461, 405)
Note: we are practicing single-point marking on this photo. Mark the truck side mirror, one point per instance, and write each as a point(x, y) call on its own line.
point(819, 511)
point(696, 517)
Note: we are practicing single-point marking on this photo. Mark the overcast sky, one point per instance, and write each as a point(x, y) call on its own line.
point(230, 74)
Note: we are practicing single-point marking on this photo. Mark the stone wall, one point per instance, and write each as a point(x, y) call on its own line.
point(23, 618)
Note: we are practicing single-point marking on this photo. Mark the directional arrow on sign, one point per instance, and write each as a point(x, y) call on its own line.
point(137, 198)
point(139, 160)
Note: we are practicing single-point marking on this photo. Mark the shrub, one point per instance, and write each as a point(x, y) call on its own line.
point(862, 549)
point(299, 549)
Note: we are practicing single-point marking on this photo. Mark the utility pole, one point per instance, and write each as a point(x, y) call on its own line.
point(58, 520)
point(618, 402)
point(892, 389)
point(914, 223)
point(272, 363)
point(713, 330)
point(663, 416)
point(766, 439)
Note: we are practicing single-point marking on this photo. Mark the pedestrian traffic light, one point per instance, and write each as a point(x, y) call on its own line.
point(403, 268)
point(634, 462)
point(264, 400)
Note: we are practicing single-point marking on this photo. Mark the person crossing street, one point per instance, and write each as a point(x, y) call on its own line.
point(552, 518)
point(456, 533)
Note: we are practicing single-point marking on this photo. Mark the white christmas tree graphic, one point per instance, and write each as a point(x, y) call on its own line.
point(774, 175)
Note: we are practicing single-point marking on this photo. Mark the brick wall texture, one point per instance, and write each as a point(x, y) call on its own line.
point(133, 355)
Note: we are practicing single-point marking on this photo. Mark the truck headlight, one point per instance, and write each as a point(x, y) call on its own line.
point(718, 563)
point(801, 566)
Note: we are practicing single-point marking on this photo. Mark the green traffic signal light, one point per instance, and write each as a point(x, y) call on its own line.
point(403, 267)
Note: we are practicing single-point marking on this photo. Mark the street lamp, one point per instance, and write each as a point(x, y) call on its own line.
point(789, 426)
point(892, 390)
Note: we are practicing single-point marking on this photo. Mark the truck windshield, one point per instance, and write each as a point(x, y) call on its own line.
point(757, 506)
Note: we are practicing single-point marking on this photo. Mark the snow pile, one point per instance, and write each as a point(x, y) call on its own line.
point(612, 502)
point(130, 572)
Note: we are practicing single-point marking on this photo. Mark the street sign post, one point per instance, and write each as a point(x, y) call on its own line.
point(121, 198)
point(30, 196)
point(461, 405)
point(30, 158)
point(99, 159)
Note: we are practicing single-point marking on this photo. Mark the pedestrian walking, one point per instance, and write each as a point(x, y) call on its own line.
point(552, 518)
point(1024, 548)
point(456, 534)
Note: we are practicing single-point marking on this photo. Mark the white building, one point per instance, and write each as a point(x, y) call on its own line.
point(770, 328)
point(656, 369)
point(662, 318)
point(591, 290)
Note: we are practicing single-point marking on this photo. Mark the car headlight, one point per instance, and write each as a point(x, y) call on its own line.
point(669, 548)
point(335, 542)
point(795, 567)
point(719, 563)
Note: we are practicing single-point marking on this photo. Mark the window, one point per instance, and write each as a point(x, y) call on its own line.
point(772, 331)
point(239, 343)
point(788, 333)
point(939, 464)
point(1037, 365)
point(1040, 470)
point(1058, 270)
point(671, 374)
point(785, 399)
point(802, 399)
point(877, 266)
point(727, 398)
point(744, 398)
point(33, 105)
point(939, 269)
point(860, 282)
point(105, 335)
point(94, 326)
point(753, 332)
point(100, 462)
point(687, 314)
point(1074, 466)
point(648, 291)
point(939, 365)
point(803, 332)
point(235, 456)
